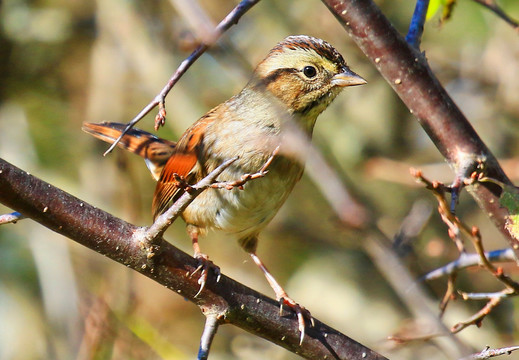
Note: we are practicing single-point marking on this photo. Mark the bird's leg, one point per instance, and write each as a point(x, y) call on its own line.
point(204, 263)
point(284, 299)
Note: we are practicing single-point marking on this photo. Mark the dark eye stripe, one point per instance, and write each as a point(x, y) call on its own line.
point(273, 76)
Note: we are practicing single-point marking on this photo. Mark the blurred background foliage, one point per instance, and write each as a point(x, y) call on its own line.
point(66, 62)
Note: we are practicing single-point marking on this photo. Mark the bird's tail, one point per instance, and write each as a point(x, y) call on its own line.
point(154, 150)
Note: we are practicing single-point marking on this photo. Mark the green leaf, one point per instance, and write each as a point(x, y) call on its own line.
point(434, 6)
point(509, 199)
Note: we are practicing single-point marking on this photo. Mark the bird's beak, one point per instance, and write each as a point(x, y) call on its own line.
point(347, 78)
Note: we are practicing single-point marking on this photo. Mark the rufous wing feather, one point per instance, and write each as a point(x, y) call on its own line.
point(154, 150)
point(181, 164)
point(168, 189)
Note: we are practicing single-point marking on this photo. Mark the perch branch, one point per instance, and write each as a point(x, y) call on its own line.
point(229, 300)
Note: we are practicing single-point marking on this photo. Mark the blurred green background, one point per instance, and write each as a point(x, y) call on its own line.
point(63, 63)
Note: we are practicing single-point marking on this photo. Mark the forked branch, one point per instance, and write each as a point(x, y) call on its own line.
point(407, 71)
point(456, 229)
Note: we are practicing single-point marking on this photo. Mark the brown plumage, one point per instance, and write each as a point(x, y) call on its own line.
point(154, 150)
point(297, 80)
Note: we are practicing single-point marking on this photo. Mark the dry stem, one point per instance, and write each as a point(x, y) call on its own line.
point(456, 228)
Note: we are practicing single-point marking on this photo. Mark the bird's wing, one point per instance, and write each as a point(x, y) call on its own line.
point(182, 163)
point(154, 150)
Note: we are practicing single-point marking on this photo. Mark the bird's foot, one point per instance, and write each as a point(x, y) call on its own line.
point(301, 312)
point(205, 265)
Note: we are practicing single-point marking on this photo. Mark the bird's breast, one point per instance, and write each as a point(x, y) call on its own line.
point(250, 131)
point(244, 212)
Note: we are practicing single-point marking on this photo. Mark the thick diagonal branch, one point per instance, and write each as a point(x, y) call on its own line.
point(228, 300)
point(408, 72)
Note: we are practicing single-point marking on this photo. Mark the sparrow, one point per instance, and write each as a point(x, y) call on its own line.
point(295, 82)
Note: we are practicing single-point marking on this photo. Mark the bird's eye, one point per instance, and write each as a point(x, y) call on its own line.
point(309, 71)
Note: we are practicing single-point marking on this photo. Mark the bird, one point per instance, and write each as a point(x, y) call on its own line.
point(291, 86)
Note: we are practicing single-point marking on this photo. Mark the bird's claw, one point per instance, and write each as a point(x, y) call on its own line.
point(301, 313)
point(204, 266)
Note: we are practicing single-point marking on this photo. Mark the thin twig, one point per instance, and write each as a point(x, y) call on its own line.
point(450, 293)
point(469, 260)
point(496, 9)
point(210, 328)
point(408, 339)
point(455, 228)
point(454, 225)
point(487, 353)
point(162, 222)
point(414, 34)
point(155, 231)
point(478, 317)
point(486, 296)
point(497, 272)
point(231, 19)
point(229, 185)
point(11, 218)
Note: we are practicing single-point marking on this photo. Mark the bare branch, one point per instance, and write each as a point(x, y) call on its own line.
point(478, 317)
point(11, 218)
point(229, 300)
point(456, 227)
point(450, 293)
point(155, 231)
point(487, 296)
point(210, 328)
point(231, 19)
point(229, 185)
point(444, 209)
point(469, 260)
point(487, 353)
point(408, 72)
point(496, 9)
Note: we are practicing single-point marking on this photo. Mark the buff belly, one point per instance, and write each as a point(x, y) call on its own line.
point(243, 213)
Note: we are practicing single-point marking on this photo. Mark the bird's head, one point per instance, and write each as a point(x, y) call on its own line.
point(306, 74)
